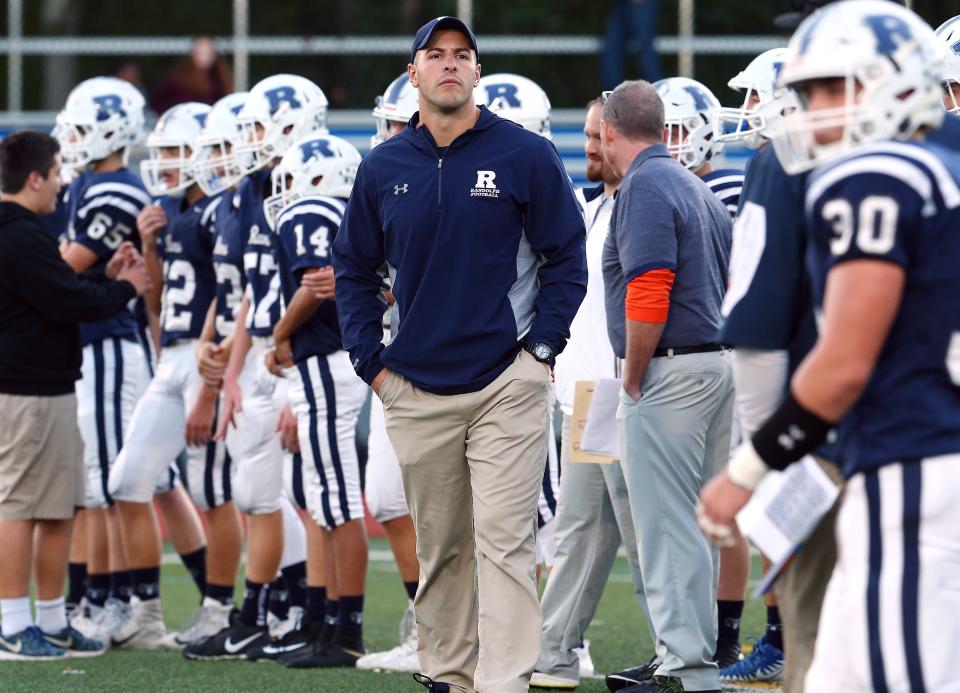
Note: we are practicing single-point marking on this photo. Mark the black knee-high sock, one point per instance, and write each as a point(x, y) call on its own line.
point(278, 599)
point(121, 586)
point(78, 583)
point(254, 609)
point(146, 583)
point(729, 614)
point(296, 578)
point(98, 588)
point(774, 634)
point(222, 593)
point(196, 565)
point(350, 621)
point(316, 604)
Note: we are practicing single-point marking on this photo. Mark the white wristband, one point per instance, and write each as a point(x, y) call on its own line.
point(746, 468)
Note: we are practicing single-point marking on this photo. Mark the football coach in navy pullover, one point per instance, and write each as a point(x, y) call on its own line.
point(477, 222)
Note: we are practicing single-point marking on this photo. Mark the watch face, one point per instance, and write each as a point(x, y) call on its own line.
point(543, 352)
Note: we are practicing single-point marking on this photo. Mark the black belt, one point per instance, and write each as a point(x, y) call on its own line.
point(680, 351)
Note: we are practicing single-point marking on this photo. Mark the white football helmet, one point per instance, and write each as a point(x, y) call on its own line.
point(214, 165)
point(688, 119)
point(397, 105)
point(318, 164)
point(279, 111)
point(758, 82)
point(516, 98)
point(179, 128)
point(891, 65)
point(102, 115)
point(949, 36)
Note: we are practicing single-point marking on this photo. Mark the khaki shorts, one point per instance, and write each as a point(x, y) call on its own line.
point(41, 458)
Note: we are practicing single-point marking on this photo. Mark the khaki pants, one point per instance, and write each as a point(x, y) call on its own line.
point(472, 468)
point(41, 458)
point(800, 590)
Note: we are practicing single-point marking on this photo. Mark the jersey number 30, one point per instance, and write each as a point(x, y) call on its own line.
point(876, 226)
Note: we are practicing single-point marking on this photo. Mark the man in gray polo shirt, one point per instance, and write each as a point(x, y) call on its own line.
point(664, 268)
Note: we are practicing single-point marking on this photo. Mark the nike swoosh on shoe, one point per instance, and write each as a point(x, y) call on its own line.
point(234, 647)
point(62, 644)
point(15, 649)
point(119, 643)
point(271, 649)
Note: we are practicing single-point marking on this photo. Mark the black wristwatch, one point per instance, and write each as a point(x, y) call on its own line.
point(543, 353)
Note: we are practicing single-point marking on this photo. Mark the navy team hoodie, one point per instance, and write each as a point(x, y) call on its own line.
point(484, 241)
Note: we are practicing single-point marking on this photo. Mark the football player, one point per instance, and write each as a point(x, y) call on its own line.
point(278, 110)
point(689, 109)
point(99, 124)
point(762, 109)
point(311, 185)
point(216, 169)
point(275, 532)
point(881, 207)
point(177, 237)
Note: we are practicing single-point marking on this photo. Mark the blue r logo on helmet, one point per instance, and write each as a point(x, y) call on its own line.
point(890, 32)
point(316, 148)
point(699, 99)
point(278, 95)
point(397, 88)
point(507, 92)
point(109, 105)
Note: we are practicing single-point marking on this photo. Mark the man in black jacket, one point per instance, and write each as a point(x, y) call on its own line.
point(42, 302)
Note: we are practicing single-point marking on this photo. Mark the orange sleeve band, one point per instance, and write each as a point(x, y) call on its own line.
point(648, 296)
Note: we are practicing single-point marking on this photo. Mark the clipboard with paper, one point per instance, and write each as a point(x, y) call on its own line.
point(584, 403)
point(785, 509)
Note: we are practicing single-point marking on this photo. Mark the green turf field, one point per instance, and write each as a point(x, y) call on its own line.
point(618, 638)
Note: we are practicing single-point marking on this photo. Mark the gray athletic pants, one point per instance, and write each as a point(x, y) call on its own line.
point(672, 440)
point(593, 513)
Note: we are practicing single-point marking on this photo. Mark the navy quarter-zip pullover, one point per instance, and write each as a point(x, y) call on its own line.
point(484, 241)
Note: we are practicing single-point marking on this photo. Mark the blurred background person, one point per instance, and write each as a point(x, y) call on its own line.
point(202, 76)
point(631, 28)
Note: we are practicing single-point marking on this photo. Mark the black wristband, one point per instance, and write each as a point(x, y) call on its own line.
point(789, 434)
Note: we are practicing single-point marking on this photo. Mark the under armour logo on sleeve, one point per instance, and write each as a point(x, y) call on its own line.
point(397, 189)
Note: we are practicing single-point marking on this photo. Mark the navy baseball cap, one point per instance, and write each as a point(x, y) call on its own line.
point(426, 31)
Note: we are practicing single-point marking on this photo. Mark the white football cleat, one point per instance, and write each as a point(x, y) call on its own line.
point(292, 622)
point(144, 630)
point(210, 619)
point(403, 657)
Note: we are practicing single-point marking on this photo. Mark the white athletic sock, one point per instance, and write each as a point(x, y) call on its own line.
point(15, 614)
point(52, 615)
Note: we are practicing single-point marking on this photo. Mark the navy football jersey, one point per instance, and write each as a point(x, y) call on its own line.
point(306, 230)
point(726, 183)
point(228, 263)
point(103, 209)
point(186, 246)
point(259, 255)
point(58, 221)
point(948, 135)
point(767, 304)
point(898, 202)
